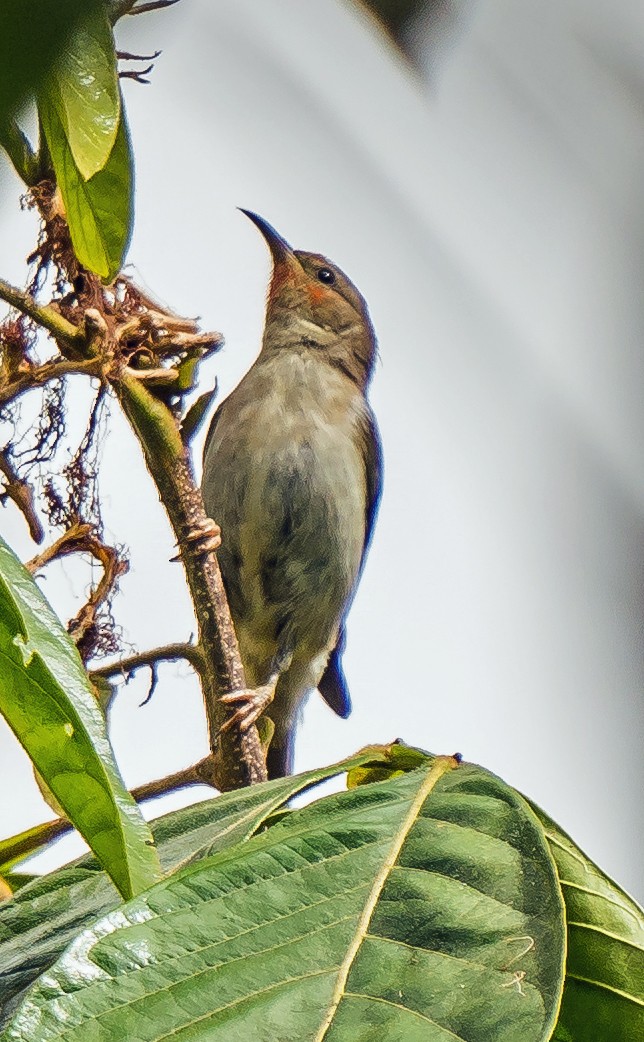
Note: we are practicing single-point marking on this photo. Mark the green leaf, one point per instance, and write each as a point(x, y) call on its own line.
point(32, 35)
point(603, 998)
point(194, 418)
point(425, 907)
point(83, 88)
point(17, 880)
point(17, 146)
point(42, 920)
point(99, 211)
point(47, 700)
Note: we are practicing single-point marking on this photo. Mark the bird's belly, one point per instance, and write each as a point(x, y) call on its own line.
point(292, 520)
point(302, 535)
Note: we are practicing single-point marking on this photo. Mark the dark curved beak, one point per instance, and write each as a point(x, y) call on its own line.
point(278, 246)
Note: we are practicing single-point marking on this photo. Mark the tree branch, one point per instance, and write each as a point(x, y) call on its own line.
point(69, 337)
point(38, 375)
point(199, 774)
point(237, 757)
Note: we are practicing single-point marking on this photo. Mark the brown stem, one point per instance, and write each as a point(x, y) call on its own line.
point(237, 757)
point(82, 538)
point(30, 841)
point(70, 542)
point(179, 780)
point(39, 375)
point(168, 653)
point(22, 495)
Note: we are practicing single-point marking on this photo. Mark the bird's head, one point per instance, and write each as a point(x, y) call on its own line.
point(312, 304)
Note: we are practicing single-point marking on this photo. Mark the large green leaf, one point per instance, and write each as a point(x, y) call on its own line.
point(46, 698)
point(47, 914)
point(603, 998)
point(83, 88)
point(32, 35)
point(99, 211)
point(425, 906)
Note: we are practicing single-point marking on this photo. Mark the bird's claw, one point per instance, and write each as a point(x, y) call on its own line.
point(206, 536)
point(252, 703)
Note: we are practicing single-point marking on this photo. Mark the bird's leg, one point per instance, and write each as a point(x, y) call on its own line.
point(252, 702)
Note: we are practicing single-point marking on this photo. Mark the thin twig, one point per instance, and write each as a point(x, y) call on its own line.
point(27, 843)
point(82, 538)
point(22, 495)
point(172, 782)
point(168, 653)
point(198, 774)
point(114, 566)
point(70, 542)
point(153, 5)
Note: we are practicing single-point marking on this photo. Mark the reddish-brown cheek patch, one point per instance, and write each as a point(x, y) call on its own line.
point(317, 293)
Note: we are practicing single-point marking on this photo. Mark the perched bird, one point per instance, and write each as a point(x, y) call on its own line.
point(292, 474)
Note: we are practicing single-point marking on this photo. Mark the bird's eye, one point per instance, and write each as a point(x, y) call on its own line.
point(326, 275)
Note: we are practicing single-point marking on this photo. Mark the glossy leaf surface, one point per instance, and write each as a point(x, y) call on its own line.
point(99, 211)
point(421, 907)
point(46, 698)
point(48, 913)
point(83, 88)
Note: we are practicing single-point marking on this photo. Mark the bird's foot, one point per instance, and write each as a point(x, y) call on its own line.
point(251, 704)
point(206, 536)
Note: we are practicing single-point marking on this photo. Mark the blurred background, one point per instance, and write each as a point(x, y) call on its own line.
point(477, 170)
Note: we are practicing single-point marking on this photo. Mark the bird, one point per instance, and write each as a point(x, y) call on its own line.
point(292, 475)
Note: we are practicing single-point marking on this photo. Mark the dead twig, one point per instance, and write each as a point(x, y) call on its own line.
point(83, 627)
point(82, 538)
point(72, 541)
point(22, 495)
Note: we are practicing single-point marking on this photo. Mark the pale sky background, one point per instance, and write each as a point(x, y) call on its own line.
point(491, 213)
